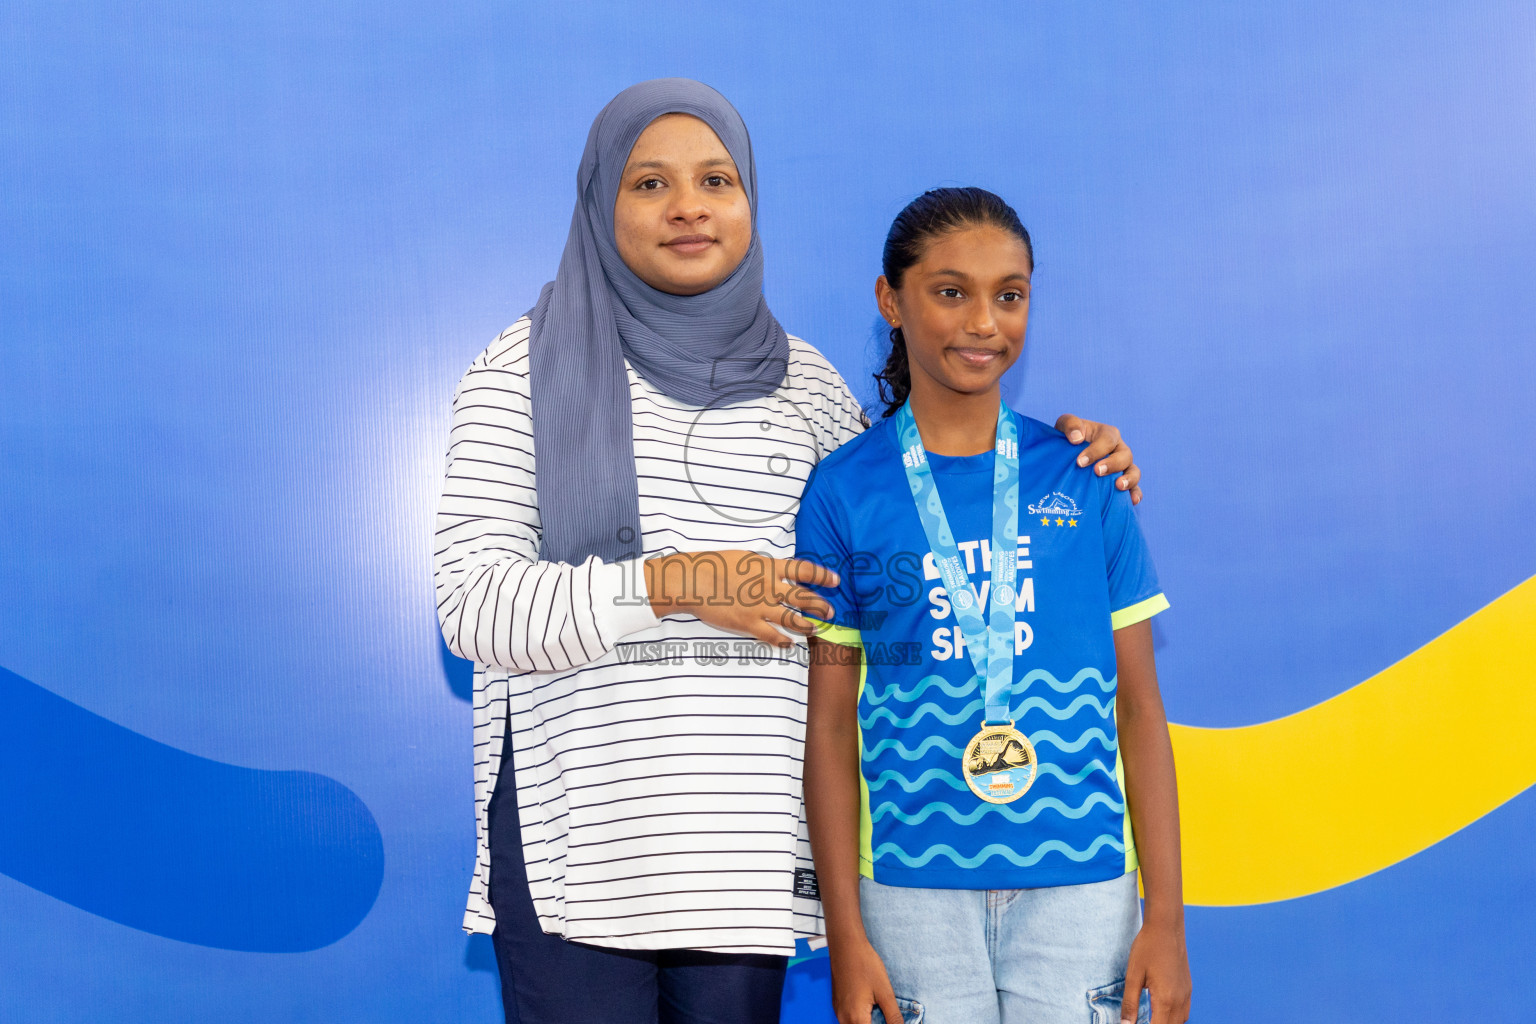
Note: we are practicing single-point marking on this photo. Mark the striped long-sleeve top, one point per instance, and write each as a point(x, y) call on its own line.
point(658, 761)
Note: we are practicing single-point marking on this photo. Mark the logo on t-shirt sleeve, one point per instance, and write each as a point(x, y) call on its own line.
point(1058, 508)
point(1055, 504)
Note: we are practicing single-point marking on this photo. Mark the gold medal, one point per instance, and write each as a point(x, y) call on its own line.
point(999, 764)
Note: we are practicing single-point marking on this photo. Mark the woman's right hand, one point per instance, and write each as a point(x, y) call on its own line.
point(741, 592)
point(859, 982)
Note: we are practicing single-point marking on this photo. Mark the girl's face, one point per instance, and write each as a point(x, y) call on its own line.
point(681, 221)
point(962, 309)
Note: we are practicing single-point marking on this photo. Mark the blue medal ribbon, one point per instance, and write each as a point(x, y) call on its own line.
point(989, 641)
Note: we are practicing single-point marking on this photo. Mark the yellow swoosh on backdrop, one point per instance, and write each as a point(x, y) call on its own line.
point(1367, 778)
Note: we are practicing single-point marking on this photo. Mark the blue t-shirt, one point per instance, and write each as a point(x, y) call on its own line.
point(1084, 571)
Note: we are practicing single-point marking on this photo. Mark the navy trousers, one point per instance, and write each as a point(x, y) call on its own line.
point(547, 980)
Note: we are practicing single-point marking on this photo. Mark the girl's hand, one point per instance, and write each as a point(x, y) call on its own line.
point(1106, 447)
point(741, 592)
point(859, 982)
point(1159, 962)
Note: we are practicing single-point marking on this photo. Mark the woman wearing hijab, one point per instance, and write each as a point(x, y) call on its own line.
point(628, 597)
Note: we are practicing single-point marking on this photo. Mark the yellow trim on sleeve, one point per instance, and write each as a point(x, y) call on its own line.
point(1137, 612)
point(1132, 862)
point(832, 633)
point(847, 637)
point(866, 826)
point(866, 823)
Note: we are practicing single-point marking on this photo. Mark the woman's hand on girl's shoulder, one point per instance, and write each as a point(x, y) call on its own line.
point(1106, 450)
point(859, 983)
point(1159, 962)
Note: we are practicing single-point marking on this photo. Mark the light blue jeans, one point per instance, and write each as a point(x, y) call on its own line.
point(1006, 956)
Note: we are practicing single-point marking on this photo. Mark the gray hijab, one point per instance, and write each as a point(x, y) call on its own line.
point(719, 347)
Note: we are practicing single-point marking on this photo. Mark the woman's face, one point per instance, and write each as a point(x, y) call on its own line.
point(681, 220)
point(962, 308)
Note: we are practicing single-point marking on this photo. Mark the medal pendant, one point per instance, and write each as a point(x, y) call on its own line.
point(999, 764)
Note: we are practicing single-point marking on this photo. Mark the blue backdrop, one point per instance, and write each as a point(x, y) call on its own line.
point(246, 252)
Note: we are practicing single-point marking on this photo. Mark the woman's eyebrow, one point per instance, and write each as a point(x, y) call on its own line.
point(661, 165)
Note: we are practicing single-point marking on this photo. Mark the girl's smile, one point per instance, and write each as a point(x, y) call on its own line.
point(978, 357)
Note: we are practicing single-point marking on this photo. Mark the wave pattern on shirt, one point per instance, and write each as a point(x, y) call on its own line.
point(929, 769)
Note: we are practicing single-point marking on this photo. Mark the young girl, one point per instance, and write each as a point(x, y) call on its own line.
point(987, 759)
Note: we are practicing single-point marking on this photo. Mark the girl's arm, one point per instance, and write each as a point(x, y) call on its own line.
point(859, 981)
point(1159, 961)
